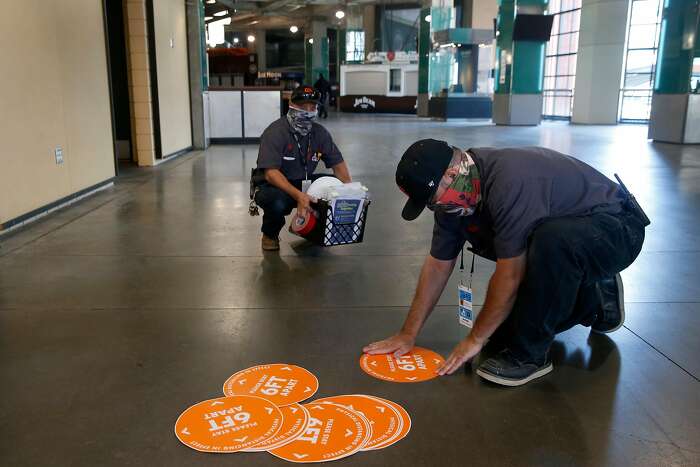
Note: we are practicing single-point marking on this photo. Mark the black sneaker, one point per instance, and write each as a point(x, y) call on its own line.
point(611, 317)
point(492, 348)
point(506, 370)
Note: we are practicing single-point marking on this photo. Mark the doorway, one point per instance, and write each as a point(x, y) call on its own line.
point(119, 82)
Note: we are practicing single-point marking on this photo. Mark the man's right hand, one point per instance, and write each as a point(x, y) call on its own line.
point(304, 203)
point(397, 344)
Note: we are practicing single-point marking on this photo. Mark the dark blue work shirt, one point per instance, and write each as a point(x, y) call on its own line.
point(521, 188)
point(279, 150)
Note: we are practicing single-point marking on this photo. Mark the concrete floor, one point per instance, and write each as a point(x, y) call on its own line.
point(119, 312)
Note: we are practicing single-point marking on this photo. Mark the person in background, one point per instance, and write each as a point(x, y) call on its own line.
point(323, 87)
point(290, 150)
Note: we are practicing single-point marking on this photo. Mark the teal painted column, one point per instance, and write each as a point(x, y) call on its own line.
point(519, 68)
point(504, 45)
point(423, 63)
point(674, 112)
point(321, 67)
point(317, 61)
point(674, 61)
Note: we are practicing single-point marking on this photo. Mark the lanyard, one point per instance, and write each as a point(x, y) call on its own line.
point(303, 155)
point(461, 269)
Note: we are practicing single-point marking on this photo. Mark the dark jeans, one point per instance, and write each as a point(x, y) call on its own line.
point(565, 259)
point(276, 205)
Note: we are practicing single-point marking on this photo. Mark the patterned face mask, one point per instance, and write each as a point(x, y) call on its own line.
point(460, 187)
point(301, 120)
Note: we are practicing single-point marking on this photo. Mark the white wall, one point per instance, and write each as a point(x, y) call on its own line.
point(173, 76)
point(53, 92)
point(599, 61)
point(483, 13)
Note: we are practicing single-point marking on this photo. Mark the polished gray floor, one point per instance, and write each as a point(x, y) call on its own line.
point(120, 311)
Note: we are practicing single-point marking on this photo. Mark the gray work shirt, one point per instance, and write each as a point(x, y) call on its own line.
point(279, 150)
point(520, 188)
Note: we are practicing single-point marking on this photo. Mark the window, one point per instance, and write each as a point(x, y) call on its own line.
point(640, 60)
point(355, 46)
point(398, 27)
point(560, 59)
point(395, 80)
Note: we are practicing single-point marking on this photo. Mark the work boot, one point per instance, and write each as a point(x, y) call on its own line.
point(505, 369)
point(611, 315)
point(270, 244)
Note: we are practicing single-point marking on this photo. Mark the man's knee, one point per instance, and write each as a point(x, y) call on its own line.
point(280, 207)
point(551, 251)
point(274, 201)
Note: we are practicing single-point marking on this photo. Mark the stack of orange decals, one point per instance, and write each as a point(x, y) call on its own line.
point(228, 424)
point(261, 412)
point(279, 383)
point(333, 432)
point(418, 365)
point(296, 419)
point(389, 421)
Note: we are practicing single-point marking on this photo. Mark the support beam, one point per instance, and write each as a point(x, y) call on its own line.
point(519, 68)
point(198, 70)
point(599, 60)
point(675, 114)
point(423, 63)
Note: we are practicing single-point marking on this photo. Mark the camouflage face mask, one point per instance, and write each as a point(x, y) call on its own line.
point(463, 194)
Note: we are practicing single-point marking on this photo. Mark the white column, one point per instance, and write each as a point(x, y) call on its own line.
point(599, 62)
point(260, 45)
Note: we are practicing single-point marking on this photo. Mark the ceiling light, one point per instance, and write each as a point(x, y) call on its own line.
point(294, 29)
point(221, 13)
point(207, 18)
point(251, 38)
point(235, 40)
point(211, 2)
point(340, 14)
point(428, 18)
point(311, 41)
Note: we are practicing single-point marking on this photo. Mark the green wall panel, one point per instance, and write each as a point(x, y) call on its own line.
point(676, 48)
point(423, 52)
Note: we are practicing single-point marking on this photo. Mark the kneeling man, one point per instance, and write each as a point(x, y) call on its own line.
point(559, 231)
point(290, 150)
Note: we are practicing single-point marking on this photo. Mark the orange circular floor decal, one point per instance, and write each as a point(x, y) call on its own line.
point(228, 424)
point(385, 420)
point(405, 424)
point(418, 365)
point(333, 432)
point(296, 417)
point(279, 383)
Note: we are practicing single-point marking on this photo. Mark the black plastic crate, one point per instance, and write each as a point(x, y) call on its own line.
point(327, 232)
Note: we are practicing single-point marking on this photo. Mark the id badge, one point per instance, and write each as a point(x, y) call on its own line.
point(305, 184)
point(466, 312)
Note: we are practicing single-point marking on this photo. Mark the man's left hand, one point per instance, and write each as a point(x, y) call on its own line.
point(463, 352)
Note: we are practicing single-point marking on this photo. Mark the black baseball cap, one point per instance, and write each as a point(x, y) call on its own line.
point(419, 172)
point(306, 93)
